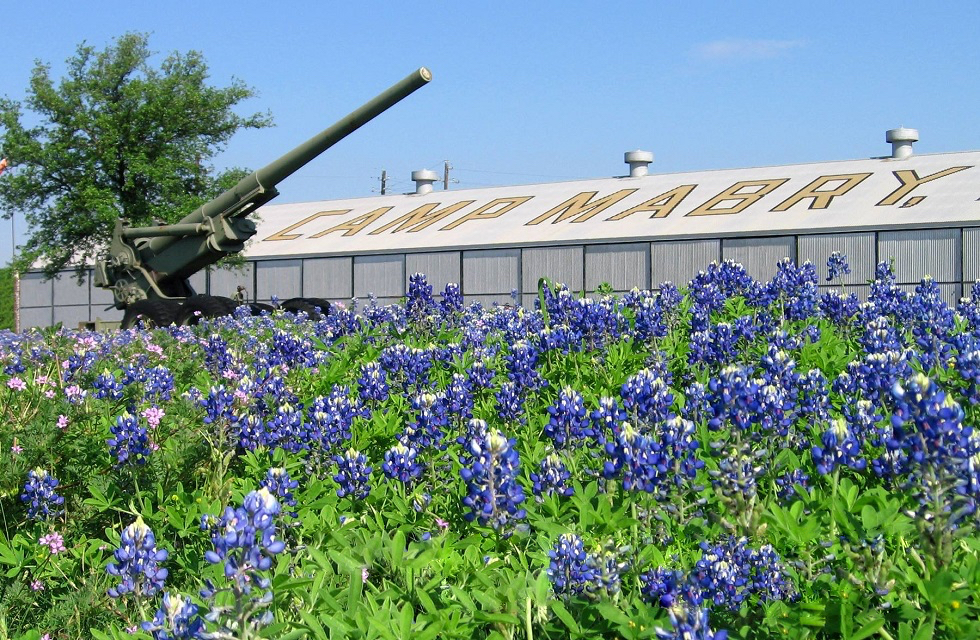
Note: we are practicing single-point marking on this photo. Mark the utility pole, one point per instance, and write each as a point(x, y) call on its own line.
point(384, 181)
point(445, 176)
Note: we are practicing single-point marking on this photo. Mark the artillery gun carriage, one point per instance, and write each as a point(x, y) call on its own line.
point(148, 268)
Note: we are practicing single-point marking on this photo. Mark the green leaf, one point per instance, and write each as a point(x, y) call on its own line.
point(869, 628)
point(559, 610)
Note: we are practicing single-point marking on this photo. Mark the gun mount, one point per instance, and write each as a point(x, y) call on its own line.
point(147, 268)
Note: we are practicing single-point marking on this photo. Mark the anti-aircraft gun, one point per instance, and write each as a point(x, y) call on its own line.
point(147, 268)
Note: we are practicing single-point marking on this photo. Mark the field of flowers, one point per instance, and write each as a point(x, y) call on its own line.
point(733, 458)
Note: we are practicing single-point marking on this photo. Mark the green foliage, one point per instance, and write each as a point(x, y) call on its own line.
point(6, 298)
point(116, 138)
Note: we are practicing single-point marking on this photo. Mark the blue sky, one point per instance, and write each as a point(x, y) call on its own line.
point(546, 91)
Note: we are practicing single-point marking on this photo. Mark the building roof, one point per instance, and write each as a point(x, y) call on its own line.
point(921, 191)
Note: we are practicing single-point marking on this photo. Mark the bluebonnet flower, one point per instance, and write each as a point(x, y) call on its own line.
point(571, 571)
point(480, 375)
point(647, 398)
point(419, 303)
point(568, 422)
point(176, 619)
point(837, 266)
point(459, 397)
point(885, 297)
point(690, 623)
point(244, 537)
point(490, 469)
point(609, 566)
point(840, 448)
point(330, 419)
point(130, 443)
point(353, 475)
point(551, 478)
point(40, 497)
point(787, 484)
point(607, 417)
point(286, 430)
point(635, 458)
point(219, 405)
point(662, 586)
point(452, 300)
point(838, 307)
point(279, 484)
point(510, 403)
point(137, 562)
point(106, 386)
point(401, 463)
point(716, 344)
point(431, 420)
point(217, 357)
point(796, 287)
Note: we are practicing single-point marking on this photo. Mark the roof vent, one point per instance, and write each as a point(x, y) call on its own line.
point(423, 180)
point(901, 140)
point(638, 162)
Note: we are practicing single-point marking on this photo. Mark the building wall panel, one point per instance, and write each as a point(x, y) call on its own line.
point(559, 264)
point(861, 290)
point(858, 248)
point(70, 315)
point(68, 291)
point(489, 299)
point(493, 271)
point(100, 312)
point(199, 282)
point(99, 297)
point(35, 317)
point(224, 282)
point(971, 255)
point(623, 266)
point(331, 278)
point(918, 253)
point(439, 268)
point(951, 291)
point(35, 290)
point(383, 275)
point(759, 255)
point(280, 278)
point(680, 261)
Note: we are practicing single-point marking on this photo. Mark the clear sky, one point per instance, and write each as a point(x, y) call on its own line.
point(541, 91)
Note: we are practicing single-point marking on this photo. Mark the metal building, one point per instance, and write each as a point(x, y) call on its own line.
point(633, 231)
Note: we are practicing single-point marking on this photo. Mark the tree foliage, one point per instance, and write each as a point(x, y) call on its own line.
point(115, 137)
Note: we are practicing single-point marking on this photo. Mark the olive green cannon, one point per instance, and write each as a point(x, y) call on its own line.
point(147, 268)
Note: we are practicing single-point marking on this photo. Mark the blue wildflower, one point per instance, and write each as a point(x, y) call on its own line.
point(40, 497)
point(137, 562)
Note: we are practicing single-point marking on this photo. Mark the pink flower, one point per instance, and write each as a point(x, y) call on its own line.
point(16, 449)
point(153, 416)
point(37, 585)
point(442, 524)
point(62, 422)
point(54, 542)
point(16, 384)
point(365, 574)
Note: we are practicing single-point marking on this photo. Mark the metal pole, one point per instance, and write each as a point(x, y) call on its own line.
point(445, 176)
point(384, 181)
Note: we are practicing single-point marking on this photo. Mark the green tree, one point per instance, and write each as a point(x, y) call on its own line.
point(115, 137)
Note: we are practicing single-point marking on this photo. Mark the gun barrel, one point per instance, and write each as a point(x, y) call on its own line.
point(266, 178)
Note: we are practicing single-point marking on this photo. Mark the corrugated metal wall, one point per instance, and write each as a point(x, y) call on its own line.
point(679, 261)
point(224, 282)
point(331, 278)
point(951, 256)
point(563, 265)
point(759, 255)
point(858, 247)
point(933, 252)
point(623, 266)
point(439, 268)
point(383, 276)
point(281, 278)
point(491, 271)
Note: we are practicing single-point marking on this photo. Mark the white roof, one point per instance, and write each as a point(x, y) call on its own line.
point(935, 190)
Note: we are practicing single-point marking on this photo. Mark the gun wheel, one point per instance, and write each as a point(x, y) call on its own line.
point(151, 313)
point(199, 308)
point(314, 308)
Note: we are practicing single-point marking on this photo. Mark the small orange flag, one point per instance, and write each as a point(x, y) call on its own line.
point(3, 164)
